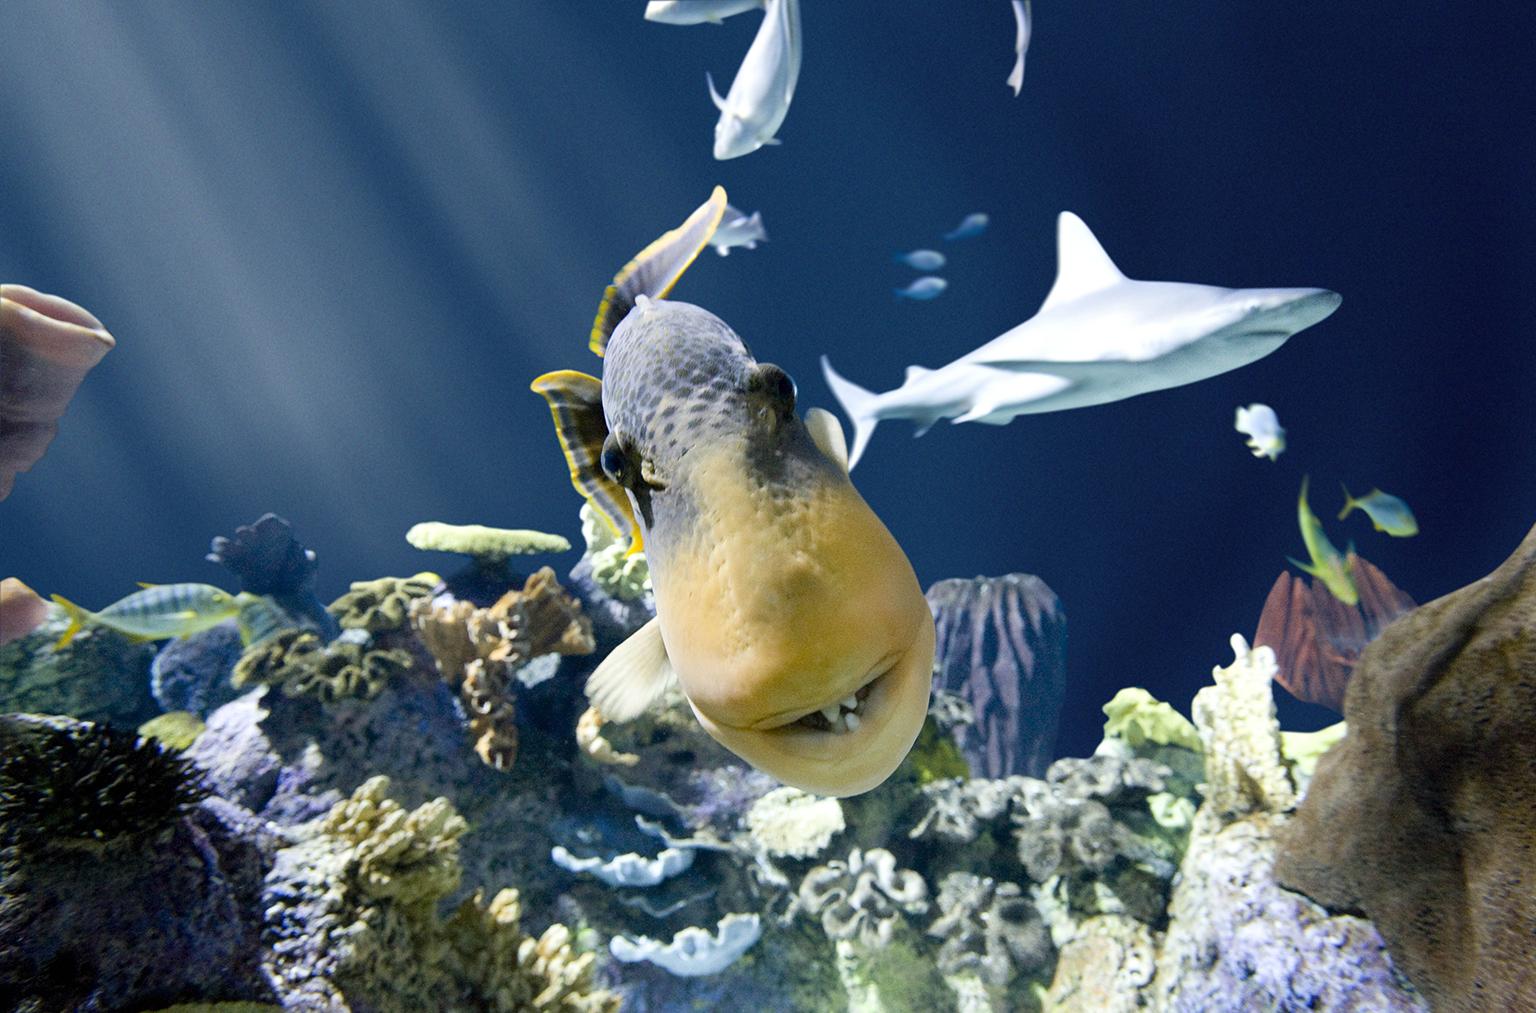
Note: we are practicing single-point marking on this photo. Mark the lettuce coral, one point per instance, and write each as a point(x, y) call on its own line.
point(863, 897)
point(1137, 718)
point(302, 664)
point(381, 605)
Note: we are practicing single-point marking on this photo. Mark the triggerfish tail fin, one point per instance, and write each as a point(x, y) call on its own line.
point(633, 676)
point(1349, 503)
point(858, 404)
point(77, 619)
point(576, 402)
point(655, 269)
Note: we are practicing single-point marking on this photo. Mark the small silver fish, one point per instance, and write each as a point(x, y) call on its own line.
point(1387, 513)
point(922, 260)
point(738, 230)
point(1266, 437)
point(973, 224)
point(923, 289)
point(158, 612)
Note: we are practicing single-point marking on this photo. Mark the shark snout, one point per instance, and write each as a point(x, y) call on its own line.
point(1289, 309)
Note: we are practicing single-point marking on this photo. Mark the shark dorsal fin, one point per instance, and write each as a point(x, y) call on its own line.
point(1082, 266)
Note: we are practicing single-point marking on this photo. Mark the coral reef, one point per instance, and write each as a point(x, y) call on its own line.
point(1002, 649)
point(1317, 639)
point(1423, 816)
point(173, 729)
point(1236, 720)
point(65, 782)
point(302, 664)
point(608, 563)
point(488, 575)
point(863, 897)
point(989, 929)
point(381, 605)
point(352, 921)
point(47, 345)
point(694, 951)
point(269, 561)
point(99, 676)
point(118, 888)
point(790, 823)
point(480, 649)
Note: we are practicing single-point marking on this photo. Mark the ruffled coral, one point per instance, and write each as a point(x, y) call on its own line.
point(864, 897)
point(989, 929)
point(303, 665)
point(381, 605)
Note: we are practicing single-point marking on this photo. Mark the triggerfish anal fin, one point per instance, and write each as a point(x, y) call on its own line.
point(654, 270)
point(576, 402)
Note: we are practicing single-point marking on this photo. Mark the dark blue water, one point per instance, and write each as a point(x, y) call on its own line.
point(335, 242)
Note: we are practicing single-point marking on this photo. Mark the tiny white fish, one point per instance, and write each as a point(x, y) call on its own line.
point(1259, 423)
point(925, 288)
point(737, 229)
point(759, 98)
point(922, 260)
point(973, 224)
point(1023, 16)
point(696, 12)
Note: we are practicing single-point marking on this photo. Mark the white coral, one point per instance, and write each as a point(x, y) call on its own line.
point(1244, 770)
point(794, 824)
point(694, 952)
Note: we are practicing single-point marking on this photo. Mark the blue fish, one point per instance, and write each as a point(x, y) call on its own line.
point(927, 287)
point(973, 224)
point(1387, 513)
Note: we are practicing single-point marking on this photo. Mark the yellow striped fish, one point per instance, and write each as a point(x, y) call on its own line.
point(157, 612)
point(785, 610)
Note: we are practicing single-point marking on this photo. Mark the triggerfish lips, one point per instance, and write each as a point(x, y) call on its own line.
point(860, 747)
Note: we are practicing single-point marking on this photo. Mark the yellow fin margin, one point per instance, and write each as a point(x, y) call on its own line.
point(654, 270)
point(576, 403)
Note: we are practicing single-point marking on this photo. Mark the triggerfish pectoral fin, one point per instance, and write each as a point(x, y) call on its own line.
point(576, 402)
point(633, 676)
point(655, 269)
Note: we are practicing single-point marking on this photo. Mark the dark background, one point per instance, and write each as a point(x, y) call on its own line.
point(336, 241)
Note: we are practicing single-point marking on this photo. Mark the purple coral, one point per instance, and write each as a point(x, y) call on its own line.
point(1002, 649)
point(270, 561)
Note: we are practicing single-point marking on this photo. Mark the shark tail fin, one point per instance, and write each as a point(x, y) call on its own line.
point(858, 404)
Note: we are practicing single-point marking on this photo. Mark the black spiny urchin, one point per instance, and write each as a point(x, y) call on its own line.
point(68, 782)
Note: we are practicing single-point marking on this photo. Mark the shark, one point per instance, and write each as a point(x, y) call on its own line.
point(754, 109)
point(1098, 337)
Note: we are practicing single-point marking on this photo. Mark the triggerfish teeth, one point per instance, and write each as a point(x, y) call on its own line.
point(785, 611)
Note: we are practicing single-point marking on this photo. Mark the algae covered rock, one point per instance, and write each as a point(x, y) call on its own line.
point(99, 675)
point(1424, 815)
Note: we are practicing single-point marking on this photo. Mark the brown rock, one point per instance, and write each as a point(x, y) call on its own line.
point(1424, 816)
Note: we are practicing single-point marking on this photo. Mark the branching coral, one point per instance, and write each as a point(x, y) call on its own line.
point(1244, 771)
point(863, 898)
point(352, 922)
point(303, 665)
point(990, 929)
point(477, 649)
point(67, 782)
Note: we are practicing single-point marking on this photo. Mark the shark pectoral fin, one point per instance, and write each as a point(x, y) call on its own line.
point(1082, 266)
point(827, 433)
point(914, 372)
point(633, 676)
point(976, 414)
point(654, 270)
point(576, 402)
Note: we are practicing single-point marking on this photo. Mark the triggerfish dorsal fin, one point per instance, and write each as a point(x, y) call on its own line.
point(655, 269)
point(576, 402)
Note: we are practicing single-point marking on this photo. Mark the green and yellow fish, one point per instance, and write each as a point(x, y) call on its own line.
point(1387, 512)
point(785, 610)
point(1328, 564)
point(157, 612)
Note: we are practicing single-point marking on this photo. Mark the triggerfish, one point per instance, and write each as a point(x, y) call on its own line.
point(158, 611)
point(785, 611)
point(1328, 564)
point(1387, 513)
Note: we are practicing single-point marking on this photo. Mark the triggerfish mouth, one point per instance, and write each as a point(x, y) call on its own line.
point(785, 611)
